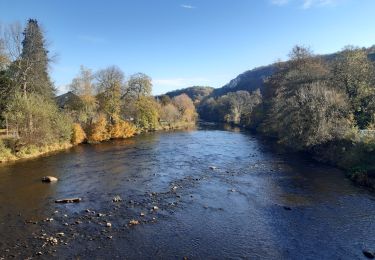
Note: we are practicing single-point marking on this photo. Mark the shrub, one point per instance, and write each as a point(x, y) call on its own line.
point(122, 129)
point(5, 152)
point(78, 135)
point(98, 130)
point(359, 175)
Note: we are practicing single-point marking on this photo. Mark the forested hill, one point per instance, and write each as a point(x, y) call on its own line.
point(252, 80)
point(196, 93)
point(249, 81)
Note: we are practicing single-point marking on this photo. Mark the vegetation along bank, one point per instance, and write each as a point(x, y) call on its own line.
point(101, 105)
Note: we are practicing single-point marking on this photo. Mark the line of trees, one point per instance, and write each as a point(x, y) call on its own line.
point(101, 105)
point(324, 106)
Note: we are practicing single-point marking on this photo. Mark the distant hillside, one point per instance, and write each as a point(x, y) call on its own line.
point(196, 93)
point(249, 80)
point(254, 79)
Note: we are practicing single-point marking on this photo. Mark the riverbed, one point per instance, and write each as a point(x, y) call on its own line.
point(207, 193)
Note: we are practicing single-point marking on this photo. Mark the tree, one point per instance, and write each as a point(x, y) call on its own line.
point(35, 120)
point(185, 107)
point(253, 113)
point(239, 102)
point(314, 115)
point(30, 69)
point(302, 68)
point(110, 89)
point(354, 73)
point(139, 85)
point(169, 113)
point(147, 113)
point(305, 110)
point(83, 87)
point(164, 100)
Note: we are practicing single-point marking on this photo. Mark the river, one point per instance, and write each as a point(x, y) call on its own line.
point(208, 193)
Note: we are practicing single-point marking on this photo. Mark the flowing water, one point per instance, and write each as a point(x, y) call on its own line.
point(208, 193)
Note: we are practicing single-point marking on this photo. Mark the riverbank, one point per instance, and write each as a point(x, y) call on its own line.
point(32, 151)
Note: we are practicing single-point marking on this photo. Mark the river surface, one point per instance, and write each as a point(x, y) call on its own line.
point(208, 193)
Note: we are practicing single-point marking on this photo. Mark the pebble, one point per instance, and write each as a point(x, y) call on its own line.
point(133, 222)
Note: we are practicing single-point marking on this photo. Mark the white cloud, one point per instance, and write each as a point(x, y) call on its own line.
point(307, 4)
point(187, 6)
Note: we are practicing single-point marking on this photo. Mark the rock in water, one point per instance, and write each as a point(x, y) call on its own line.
point(133, 222)
point(368, 254)
point(69, 200)
point(49, 179)
point(116, 199)
point(213, 167)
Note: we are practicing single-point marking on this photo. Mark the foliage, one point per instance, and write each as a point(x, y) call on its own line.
point(185, 107)
point(110, 88)
point(85, 107)
point(147, 113)
point(304, 110)
point(354, 73)
point(98, 130)
point(169, 113)
point(78, 135)
point(37, 121)
point(30, 69)
point(196, 93)
point(5, 152)
point(315, 114)
point(138, 85)
point(122, 129)
point(234, 107)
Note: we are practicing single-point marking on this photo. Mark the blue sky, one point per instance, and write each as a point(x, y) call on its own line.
point(180, 43)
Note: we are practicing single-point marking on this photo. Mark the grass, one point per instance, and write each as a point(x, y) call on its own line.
point(30, 151)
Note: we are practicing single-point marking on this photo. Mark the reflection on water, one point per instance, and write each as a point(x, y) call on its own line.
point(235, 211)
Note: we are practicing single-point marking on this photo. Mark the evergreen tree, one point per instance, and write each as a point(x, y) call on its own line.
point(33, 63)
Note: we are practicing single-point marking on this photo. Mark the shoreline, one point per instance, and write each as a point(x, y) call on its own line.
point(53, 148)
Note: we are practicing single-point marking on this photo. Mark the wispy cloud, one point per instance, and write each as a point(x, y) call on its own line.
point(307, 4)
point(91, 39)
point(187, 6)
